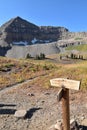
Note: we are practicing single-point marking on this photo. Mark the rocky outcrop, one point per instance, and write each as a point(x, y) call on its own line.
point(33, 50)
point(52, 33)
point(18, 29)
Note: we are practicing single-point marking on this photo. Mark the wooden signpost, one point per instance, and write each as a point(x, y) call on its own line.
point(63, 94)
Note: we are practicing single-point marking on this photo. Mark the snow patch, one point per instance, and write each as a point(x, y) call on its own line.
point(20, 43)
point(41, 41)
point(34, 40)
point(47, 41)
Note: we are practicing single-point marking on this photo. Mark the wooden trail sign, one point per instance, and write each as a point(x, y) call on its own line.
point(70, 84)
point(63, 95)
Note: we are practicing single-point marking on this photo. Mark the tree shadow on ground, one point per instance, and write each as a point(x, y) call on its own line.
point(83, 127)
point(31, 112)
point(7, 105)
point(7, 111)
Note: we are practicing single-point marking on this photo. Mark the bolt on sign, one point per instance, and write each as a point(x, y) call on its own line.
point(63, 95)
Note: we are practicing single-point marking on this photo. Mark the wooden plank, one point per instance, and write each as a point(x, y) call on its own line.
point(60, 94)
point(61, 82)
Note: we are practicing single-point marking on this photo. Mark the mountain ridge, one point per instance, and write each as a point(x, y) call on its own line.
point(35, 39)
point(18, 29)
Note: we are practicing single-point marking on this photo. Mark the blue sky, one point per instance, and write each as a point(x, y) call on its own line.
point(71, 14)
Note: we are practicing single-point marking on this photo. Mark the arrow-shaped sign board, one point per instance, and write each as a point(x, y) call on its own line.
point(61, 82)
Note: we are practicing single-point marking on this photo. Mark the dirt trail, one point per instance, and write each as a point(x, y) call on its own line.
point(42, 107)
point(17, 85)
point(4, 90)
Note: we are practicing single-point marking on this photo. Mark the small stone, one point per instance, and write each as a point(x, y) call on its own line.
point(47, 93)
point(58, 126)
point(73, 99)
point(74, 125)
point(20, 113)
point(52, 127)
point(82, 118)
point(30, 94)
point(42, 101)
point(71, 121)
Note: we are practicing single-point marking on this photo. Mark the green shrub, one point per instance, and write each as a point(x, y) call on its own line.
point(28, 56)
point(37, 57)
point(40, 57)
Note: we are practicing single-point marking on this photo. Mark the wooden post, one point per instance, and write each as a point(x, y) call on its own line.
point(66, 109)
point(63, 96)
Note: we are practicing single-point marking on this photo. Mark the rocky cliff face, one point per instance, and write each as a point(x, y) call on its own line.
point(18, 29)
point(52, 33)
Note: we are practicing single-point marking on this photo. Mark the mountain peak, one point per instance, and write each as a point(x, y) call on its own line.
point(17, 22)
point(18, 17)
point(18, 29)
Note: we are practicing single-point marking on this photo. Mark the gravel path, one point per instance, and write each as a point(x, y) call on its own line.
point(42, 107)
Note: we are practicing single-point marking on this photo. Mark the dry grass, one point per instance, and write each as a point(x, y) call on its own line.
point(14, 71)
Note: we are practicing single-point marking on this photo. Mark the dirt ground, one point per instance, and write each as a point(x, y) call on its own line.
point(42, 107)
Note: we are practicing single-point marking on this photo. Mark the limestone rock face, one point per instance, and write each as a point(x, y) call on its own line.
point(18, 29)
point(17, 32)
point(52, 33)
